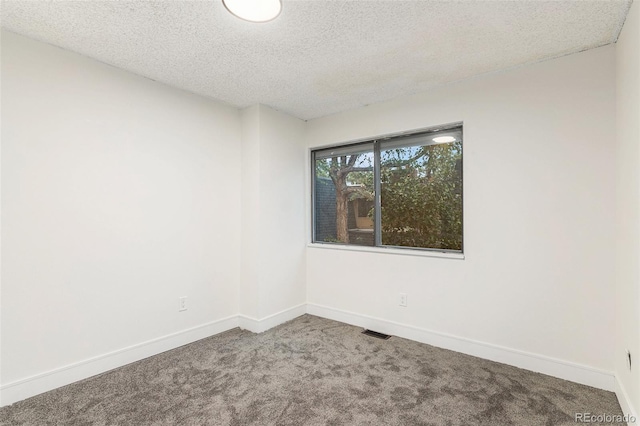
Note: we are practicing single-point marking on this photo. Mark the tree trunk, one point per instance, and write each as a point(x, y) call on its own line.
point(342, 210)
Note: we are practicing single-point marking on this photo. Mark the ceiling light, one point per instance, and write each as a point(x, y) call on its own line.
point(444, 139)
point(254, 10)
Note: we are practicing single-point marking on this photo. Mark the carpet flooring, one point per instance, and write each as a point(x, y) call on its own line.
point(312, 371)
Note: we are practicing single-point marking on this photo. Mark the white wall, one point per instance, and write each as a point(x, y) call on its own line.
point(628, 209)
point(274, 168)
point(539, 145)
point(282, 209)
point(249, 289)
point(119, 195)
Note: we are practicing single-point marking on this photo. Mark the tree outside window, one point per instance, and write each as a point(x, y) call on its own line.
point(420, 185)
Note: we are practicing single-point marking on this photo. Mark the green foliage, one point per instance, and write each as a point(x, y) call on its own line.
point(363, 180)
point(331, 240)
point(421, 191)
point(322, 168)
point(360, 179)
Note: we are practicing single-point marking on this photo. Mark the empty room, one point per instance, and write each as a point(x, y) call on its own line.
point(346, 212)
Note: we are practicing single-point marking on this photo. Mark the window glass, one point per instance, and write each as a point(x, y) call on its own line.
point(417, 192)
point(421, 192)
point(344, 195)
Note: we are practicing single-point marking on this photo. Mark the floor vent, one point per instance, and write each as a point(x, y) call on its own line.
point(376, 334)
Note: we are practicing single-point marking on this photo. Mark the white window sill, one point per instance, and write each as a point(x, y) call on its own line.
point(389, 250)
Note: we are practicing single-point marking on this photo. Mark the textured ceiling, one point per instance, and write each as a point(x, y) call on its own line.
point(318, 57)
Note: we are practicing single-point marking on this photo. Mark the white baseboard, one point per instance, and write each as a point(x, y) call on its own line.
point(582, 374)
point(43, 382)
point(625, 403)
point(34, 385)
point(258, 326)
point(39, 383)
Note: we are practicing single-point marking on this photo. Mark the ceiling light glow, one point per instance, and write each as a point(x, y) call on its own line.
point(444, 139)
point(254, 10)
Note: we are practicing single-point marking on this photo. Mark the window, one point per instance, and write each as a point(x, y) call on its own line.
point(402, 191)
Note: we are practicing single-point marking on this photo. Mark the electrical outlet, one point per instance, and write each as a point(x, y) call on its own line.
point(183, 304)
point(403, 300)
point(629, 359)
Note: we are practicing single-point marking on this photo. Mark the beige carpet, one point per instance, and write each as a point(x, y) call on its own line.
point(312, 371)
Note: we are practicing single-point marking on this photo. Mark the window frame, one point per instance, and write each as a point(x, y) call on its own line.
point(378, 145)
